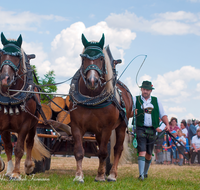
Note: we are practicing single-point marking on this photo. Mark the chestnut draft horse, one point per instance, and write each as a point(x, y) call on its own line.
point(98, 106)
point(15, 73)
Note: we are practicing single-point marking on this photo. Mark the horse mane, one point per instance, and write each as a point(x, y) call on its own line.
point(12, 40)
point(109, 86)
point(23, 58)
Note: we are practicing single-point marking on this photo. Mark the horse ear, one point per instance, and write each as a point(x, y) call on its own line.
point(84, 40)
point(19, 40)
point(101, 42)
point(4, 41)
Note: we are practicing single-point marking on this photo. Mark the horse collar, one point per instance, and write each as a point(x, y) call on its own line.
point(19, 97)
point(80, 99)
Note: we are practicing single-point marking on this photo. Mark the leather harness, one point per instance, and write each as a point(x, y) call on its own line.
point(103, 99)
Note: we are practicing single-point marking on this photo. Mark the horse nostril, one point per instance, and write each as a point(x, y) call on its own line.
point(8, 79)
point(95, 81)
point(88, 81)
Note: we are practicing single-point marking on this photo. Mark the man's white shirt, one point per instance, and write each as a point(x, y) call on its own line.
point(185, 131)
point(147, 104)
point(196, 141)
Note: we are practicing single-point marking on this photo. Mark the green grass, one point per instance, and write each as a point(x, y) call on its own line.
point(160, 177)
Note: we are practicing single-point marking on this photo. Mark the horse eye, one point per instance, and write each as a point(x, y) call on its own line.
point(101, 58)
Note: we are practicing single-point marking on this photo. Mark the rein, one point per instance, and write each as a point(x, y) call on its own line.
point(54, 83)
point(174, 141)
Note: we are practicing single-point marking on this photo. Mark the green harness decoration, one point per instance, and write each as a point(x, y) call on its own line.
point(93, 50)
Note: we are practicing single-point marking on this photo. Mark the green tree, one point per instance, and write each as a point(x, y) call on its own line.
point(36, 78)
point(49, 78)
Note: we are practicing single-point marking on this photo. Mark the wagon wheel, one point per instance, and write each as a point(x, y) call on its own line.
point(108, 164)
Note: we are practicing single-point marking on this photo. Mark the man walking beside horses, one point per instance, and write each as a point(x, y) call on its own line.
point(148, 110)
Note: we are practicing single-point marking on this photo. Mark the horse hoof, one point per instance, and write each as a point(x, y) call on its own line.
point(111, 179)
point(3, 166)
point(99, 179)
point(29, 171)
point(78, 179)
point(8, 175)
point(15, 177)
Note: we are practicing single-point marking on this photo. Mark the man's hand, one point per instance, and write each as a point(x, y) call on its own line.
point(165, 121)
point(167, 127)
point(158, 130)
point(136, 111)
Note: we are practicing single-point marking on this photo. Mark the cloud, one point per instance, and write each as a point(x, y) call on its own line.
point(175, 83)
point(169, 23)
point(91, 16)
point(171, 86)
point(177, 109)
point(24, 21)
point(189, 116)
point(64, 57)
point(41, 61)
point(198, 87)
point(172, 89)
point(63, 89)
point(67, 46)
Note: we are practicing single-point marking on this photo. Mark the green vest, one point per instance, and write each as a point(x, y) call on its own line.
point(140, 112)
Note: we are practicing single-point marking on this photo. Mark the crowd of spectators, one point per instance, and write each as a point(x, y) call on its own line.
point(184, 151)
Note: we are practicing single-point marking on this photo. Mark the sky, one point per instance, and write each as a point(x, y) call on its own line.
point(167, 31)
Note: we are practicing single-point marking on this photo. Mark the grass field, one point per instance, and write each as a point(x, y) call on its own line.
point(62, 172)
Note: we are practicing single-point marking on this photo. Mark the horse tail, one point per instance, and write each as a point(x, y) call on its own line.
point(38, 151)
point(126, 150)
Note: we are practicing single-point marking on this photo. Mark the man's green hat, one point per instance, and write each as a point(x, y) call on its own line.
point(147, 85)
point(11, 46)
point(93, 50)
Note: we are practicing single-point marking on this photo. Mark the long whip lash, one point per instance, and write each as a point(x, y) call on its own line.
point(131, 62)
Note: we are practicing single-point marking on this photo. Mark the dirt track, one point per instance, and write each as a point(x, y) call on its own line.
point(67, 166)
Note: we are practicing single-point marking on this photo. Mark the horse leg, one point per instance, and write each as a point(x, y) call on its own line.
point(79, 154)
point(8, 149)
point(102, 154)
point(29, 164)
point(19, 152)
point(118, 148)
point(2, 165)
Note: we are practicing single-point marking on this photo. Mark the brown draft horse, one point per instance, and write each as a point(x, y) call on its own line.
point(13, 76)
point(96, 78)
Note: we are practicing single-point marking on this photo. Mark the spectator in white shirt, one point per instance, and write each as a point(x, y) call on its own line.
point(196, 147)
point(181, 150)
point(183, 128)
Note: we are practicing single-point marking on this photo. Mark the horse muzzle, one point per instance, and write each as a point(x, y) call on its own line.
point(92, 83)
point(6, 81)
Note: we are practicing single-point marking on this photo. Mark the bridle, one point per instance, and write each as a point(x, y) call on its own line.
point(101, 72)
point(10, 63)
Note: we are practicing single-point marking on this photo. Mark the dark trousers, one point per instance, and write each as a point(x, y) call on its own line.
point(194, 155)
point(145, 138)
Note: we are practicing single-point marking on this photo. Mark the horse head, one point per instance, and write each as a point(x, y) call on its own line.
point(94, 67)
point(10, 61)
